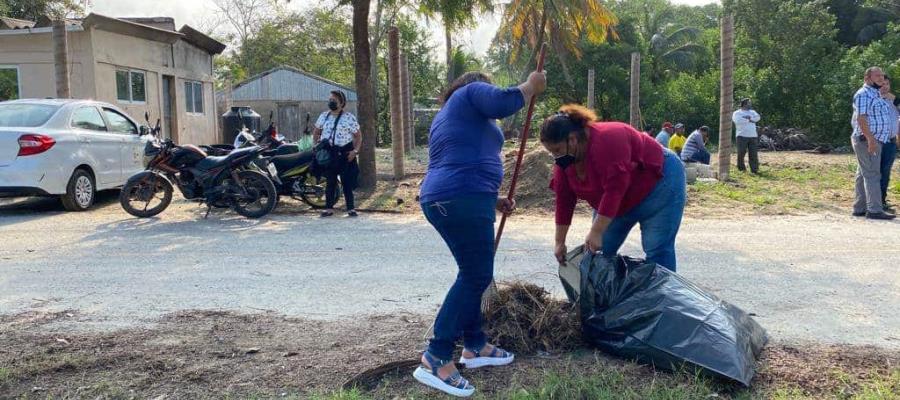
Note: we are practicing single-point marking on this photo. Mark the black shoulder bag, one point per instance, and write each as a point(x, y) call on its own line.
point(325, 156)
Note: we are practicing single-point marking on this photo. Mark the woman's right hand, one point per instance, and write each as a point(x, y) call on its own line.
point(538, 82)
point(560, 252)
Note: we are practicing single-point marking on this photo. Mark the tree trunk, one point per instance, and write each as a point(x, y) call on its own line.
point(373, 56)
point(567, 72)
point(726, 97)
point(590, 89)
point(61, 58)
point(410, 114)
point(394, 80)
point(448, 41)
point(365, 91)
point(635, 114)
point(404, 102)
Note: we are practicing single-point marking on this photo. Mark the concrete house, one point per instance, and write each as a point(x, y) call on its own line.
point(289, 94)
point(139, 64)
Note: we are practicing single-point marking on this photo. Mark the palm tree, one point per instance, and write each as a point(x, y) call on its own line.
point(365, 91)
point(674, 47)
point(462, 61)
point(455, 14)
point(726, 95)
point(562, 23)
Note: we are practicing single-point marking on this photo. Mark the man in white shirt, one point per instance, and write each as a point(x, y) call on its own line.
point(745, 121)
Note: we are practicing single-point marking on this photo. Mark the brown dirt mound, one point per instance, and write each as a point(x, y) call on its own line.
point(533, 188)
point(525, 319)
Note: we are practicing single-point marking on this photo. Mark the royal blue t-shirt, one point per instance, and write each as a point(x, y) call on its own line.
point(465, 142)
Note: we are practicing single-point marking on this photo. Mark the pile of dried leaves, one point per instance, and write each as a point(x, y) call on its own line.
point(525, 319)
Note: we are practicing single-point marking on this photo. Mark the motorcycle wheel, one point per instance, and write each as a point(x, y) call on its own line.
point(261, 195)
point(314, 194)
point(145, 189)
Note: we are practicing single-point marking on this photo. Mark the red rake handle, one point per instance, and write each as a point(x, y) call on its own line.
point(523, 138)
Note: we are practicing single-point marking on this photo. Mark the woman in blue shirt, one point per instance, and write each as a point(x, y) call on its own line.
point(458, 197)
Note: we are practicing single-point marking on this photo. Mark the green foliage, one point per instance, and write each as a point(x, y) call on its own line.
point(9, 84)
point(318, 41)
point(463, 61)
point(689, 99)
point(31, 10)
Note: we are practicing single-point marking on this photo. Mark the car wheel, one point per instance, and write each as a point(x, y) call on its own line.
point(80, 192)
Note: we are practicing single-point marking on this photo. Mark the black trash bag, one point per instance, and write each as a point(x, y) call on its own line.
point(642, 311)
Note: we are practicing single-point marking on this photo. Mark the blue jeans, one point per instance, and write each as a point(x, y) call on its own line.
point(466, 224)
point(888, 154)
point(701, 156)
point(659, 215)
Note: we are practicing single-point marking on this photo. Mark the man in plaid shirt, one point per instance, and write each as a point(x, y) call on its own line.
point(872, 128)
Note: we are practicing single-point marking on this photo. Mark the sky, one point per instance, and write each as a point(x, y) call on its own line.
point(193, 12)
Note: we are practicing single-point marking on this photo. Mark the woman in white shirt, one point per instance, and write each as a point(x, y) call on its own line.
point(338, 130)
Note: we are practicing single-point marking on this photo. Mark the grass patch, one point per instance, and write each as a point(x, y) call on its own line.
point(5, 376)
point(790, 186)
point(573, 381)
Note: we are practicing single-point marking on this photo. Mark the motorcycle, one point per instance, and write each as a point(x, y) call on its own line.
point(222, 182)
point(295, 178)
point(293, 175)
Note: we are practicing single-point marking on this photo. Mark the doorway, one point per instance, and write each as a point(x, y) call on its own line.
point(169, 102)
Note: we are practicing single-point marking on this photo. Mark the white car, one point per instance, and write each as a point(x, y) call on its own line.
point(67, 148)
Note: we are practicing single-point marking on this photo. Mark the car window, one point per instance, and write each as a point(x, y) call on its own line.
point(118, 123)
point(25, 115)
point(88, 118)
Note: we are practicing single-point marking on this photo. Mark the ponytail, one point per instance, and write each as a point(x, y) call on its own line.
point(570, 118)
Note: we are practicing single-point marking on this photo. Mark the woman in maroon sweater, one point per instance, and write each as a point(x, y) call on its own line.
point(626, 176)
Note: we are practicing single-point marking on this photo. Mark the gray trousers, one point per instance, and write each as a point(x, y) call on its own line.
point(868, 178)
point(743, 145)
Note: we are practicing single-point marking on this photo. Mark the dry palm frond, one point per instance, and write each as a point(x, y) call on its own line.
point(525, 319)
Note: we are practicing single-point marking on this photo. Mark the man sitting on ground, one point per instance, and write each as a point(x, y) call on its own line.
point(695, 147)
point(676, 143)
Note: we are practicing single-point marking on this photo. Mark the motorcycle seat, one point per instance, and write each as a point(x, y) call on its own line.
point(290, 161)
point(209, 163)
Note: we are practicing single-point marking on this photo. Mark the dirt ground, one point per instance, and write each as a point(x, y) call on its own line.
point(219, 354)
point(202, 354)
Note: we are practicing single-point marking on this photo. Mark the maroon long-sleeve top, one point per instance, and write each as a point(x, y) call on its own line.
point(621, 168)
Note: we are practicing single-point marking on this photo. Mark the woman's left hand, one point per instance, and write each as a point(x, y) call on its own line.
point(592, 242)
point(505, 205)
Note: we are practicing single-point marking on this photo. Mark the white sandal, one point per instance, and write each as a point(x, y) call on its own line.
point(454, 385)
point(497, 358)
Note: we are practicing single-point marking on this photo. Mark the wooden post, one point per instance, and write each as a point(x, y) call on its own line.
point(726, 97)
point(395, 100)
point(590, 94)
point(635, 115)
point(410, 113)
point(61, 58)
point(404, 97)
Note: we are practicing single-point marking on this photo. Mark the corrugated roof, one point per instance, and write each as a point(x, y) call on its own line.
point(292, 85)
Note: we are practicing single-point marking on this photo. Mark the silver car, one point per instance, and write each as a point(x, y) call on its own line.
point(66, 148)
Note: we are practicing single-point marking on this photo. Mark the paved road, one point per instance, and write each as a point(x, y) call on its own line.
point(825, 278)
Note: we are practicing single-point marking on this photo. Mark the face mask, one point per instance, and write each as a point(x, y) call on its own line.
point(875, 85)
point(332, 105)
point(564, 161)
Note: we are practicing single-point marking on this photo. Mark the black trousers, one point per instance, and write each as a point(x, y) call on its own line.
point(349, 173)
point(745, 145)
